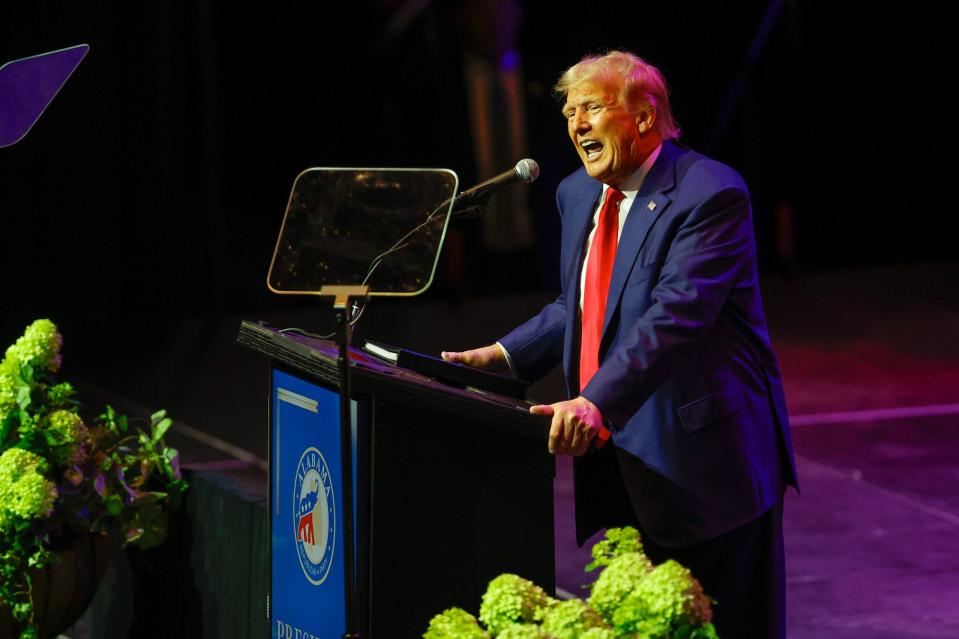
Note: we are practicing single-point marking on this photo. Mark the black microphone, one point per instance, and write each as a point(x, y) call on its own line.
point(476, 197)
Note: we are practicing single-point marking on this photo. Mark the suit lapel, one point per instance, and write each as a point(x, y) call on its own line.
point(649, 204)
point(579, 217)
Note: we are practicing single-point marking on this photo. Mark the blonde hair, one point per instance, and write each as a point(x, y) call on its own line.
point(631, 78)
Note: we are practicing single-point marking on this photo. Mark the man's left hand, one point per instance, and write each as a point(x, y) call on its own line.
point(575, 423)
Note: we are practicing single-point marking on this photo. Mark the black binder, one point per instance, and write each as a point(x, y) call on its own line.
point(448, 372)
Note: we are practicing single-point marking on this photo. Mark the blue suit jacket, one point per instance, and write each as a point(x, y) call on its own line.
point(687, 381)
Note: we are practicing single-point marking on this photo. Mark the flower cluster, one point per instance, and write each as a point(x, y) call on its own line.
point(617, 541)
point(630, 598)
point(455, 623)
point(25, 493)
point(511, 599)
point(617, 581)
point(61, 478)
point(39, 347)
point(666, 601)
point(8, 390)
point(523, 631)
point(570, 619)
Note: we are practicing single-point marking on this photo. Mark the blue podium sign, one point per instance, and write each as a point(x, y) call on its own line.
point(308, 583)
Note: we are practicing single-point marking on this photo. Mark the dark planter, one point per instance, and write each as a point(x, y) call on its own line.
point(65, 587)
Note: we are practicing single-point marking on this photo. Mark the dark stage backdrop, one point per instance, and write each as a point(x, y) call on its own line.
point(156, 181)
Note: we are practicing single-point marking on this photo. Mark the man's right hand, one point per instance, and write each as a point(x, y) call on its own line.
point(491, 358)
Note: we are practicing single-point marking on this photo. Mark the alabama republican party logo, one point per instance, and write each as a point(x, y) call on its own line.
point(314, 516)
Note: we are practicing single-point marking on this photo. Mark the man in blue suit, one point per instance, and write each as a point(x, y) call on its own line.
point(664, 344)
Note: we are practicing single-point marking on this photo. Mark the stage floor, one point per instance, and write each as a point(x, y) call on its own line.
point(870, 359)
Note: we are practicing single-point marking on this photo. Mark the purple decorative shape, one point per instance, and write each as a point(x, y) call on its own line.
point(28, 85)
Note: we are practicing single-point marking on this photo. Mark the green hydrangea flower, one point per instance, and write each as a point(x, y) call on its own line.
point(24, 492)
point(599, 633)
point(618, 541)
point(6, 405)
point(523, 631)
point(569, 619)
point(8, 387)
point(511, 599)
point(616, 581)
point(66, 433)
point(454, 623)
point(667, 598)
point(38, 347)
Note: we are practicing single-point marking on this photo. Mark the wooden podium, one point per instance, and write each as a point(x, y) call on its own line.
point(453, 486)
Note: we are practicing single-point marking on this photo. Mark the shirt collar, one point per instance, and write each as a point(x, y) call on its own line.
point(633, 183)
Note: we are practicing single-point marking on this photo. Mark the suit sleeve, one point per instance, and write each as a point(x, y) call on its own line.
point(536, 346)
point(712, 250)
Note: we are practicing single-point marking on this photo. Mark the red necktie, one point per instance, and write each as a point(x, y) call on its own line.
point(599, 270)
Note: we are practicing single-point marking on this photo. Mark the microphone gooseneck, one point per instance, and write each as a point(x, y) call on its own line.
point(475, 198)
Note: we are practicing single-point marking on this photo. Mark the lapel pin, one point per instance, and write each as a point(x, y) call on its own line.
point(651, 206)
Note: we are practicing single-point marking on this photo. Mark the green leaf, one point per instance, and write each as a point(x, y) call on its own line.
point(114, 504)
point(7, 428)
point(132, 534)
point(27, 374)
point(23, 396)
point(706, 631)
point(153, 521)
point(114, 421)
point(54, 438)
point(160, 429)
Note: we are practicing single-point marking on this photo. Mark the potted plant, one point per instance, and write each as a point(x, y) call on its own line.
point(66, 481)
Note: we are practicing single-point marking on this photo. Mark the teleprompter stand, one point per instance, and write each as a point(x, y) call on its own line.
point(342, 296)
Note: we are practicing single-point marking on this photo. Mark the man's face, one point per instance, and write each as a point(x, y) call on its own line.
point(606, 136)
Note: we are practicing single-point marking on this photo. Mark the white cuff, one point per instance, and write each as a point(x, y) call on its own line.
point(509, 360)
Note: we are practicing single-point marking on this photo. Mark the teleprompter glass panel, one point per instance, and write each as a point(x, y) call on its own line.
point(379, 227)
point(29, 84)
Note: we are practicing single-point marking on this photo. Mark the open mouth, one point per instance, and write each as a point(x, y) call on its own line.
point(592, 148)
